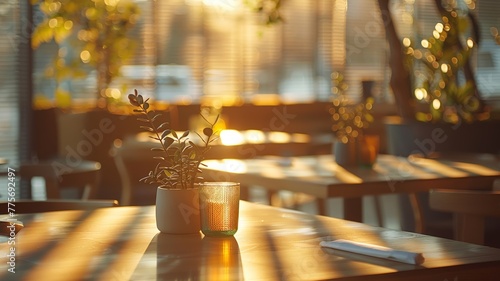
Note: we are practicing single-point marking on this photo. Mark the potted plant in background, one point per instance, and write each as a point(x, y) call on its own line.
point(177, 171)
point(440, 106)
point(350, 119)
point(89, 34)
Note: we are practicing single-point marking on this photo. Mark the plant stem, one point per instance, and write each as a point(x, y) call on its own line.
point(155, 129)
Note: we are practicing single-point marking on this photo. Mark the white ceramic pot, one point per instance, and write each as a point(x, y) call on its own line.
point(177, 211)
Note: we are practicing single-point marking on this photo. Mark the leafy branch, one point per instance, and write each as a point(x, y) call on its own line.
point(179, 165)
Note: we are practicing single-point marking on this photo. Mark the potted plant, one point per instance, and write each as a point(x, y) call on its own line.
point(440, 106)
point(350, 119)
point(89, 34)
point(177, 171)
point(439, 103)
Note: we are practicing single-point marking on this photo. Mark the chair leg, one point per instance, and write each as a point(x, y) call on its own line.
point(270, 195)
point(378, 210)
point(321, 205)
point(89, 192)
point(416, 205)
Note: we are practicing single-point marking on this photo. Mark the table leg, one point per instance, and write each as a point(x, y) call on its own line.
point(270, 195)
point(469, 228)
point(320, 203)
point(353, 209)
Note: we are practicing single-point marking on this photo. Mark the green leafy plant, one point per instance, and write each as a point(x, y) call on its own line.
point(441, 66)
point(268, 10)
point(93, 33)
point(179, 165)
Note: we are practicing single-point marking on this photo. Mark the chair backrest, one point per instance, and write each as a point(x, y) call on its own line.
point(470, 209)
point(28, 171)
point(133, 160)
point(58, 174)
point(474, 202)
point(32, 206)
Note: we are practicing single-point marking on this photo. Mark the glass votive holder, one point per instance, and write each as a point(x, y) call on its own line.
point(368, 149)
point(219, 208)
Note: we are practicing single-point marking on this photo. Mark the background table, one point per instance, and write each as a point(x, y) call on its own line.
point(321, 177)
point(122, 243)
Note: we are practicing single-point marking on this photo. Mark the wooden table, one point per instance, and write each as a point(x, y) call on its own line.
point(321, 177)
point(122, 243)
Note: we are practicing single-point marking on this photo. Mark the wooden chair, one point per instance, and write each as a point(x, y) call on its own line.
point(134, 160)
point(59, 175)
point(33, 206)
point(470, 209)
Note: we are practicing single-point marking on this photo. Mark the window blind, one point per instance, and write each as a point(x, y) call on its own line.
point(9, 125)
point(488, 56)
point(366, 57)
point(15, 87)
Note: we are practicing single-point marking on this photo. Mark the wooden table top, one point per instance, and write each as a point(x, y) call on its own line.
point(321, 177)
point(122, 243)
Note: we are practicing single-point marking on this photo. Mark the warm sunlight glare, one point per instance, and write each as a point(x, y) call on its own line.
point(436, 104)
point(279, 137)
point(406, 42)
point(85, 56)
point(231, 137)
point(301, 138)
point(255, 136)
point(441, 168)
point(439, 27)
point(227, 165)
point(470, 43)
point(419, 93)
point(89, 244)
point(347, 177)
point(226, 5)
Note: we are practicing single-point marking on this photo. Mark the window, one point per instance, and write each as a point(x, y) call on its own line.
point(192, 49)
point(488, 56)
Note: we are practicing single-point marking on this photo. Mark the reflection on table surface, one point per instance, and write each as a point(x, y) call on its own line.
point(122, 243)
